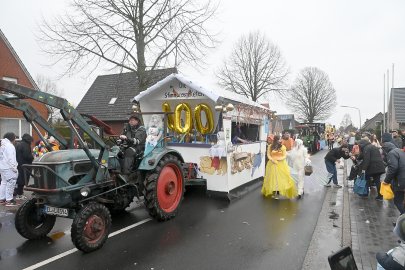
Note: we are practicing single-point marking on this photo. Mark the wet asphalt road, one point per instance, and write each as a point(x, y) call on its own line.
point(248, 233)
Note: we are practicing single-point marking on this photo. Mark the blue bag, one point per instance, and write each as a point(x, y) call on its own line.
point(360, 186)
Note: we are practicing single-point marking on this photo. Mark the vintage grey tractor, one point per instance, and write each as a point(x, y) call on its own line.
point(85, 184)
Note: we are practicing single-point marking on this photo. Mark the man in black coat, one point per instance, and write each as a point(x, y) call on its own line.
point(372, 165)
point(135, 136)
point(396, 174)
point(24, 156)
point(331, 158)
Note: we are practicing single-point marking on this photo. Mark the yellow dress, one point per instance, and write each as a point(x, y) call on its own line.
point(277, 177)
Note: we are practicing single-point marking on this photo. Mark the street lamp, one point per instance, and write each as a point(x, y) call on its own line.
point(344, 106)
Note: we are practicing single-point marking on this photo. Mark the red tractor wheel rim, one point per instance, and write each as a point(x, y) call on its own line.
point(94, 229)
point(169, 188)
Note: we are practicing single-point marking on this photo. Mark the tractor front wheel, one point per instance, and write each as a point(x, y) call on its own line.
point(164, 188)
point(90, 227)
point(31, 223)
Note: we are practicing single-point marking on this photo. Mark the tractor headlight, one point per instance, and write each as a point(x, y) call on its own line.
point(85, 191)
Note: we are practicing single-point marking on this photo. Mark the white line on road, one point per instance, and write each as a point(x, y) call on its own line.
point(73, 250)
point(129, 227)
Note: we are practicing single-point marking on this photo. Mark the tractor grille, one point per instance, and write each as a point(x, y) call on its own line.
point(42, 177)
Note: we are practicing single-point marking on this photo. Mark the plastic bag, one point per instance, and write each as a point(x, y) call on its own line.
point(360, 186)
point(386, 192)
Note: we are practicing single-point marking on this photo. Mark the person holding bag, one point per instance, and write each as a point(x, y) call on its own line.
point(395, 174)
point(372, 165)
point(299, 159)
point(277, 179)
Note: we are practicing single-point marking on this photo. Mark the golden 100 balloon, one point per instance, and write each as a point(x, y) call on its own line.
point(174, 122)
point(209, 126)
point(185, 127)
point(170, 117)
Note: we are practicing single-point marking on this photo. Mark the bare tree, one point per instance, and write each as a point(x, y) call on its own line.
point(255, 67)
point(346, 121)
point(135, 35)
point(46, 85)
point(312, 96)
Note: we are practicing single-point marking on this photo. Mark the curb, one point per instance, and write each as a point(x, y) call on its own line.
point(328, 235)
point(346, 222)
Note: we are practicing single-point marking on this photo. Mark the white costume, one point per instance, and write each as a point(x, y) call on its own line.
point(299, 158)
point(8, 170)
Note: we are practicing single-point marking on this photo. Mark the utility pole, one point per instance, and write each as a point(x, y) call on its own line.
point(392, 86)
point(388, 101)
point(384, 123)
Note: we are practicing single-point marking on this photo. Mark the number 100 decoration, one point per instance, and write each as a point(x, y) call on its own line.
point(175, 123)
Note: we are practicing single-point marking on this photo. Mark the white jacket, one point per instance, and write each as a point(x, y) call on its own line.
point(8, 160)
point(299, 158)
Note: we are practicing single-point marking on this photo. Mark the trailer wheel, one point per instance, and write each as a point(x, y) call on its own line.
point(31, 223)
point(90, 227)
point(164, 188)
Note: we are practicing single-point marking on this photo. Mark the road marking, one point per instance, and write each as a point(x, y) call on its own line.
point(73, 250)
point(129, 227)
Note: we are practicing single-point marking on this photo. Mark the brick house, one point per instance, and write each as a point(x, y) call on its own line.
point(12, 69)
point(109, 97)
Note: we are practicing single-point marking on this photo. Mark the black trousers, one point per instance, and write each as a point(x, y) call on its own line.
point(129, 159)
point(399, 201)
point(374, 178)
point(19, 187)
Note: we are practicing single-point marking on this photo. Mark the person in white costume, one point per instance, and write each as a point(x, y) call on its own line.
point(8, 169)
point(299, 158)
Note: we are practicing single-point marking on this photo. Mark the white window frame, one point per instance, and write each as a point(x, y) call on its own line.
point(10, 79)
point(19, 125)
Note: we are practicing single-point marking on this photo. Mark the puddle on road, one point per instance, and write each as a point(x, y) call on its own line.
point(5, 214)
point(8, 253)
point(7, 224)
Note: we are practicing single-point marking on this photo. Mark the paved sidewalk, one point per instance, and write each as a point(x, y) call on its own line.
point(371, 226)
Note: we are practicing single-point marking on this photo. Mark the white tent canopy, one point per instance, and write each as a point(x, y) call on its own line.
point(215, 95)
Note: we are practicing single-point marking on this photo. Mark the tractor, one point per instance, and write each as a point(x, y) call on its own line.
point(87, 185)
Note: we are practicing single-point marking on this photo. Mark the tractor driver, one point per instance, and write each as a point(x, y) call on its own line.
point(135, 135)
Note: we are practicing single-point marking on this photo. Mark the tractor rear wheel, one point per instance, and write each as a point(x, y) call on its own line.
point(164, 188)
point(31, 223)
point(90, 227)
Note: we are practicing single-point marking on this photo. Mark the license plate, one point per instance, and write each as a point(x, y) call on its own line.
point(50, 210)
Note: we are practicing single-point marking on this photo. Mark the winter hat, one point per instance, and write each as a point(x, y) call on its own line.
point(386, 137)
point(399, 229)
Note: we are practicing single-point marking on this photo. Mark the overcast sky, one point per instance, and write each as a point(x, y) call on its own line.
point(355, 42)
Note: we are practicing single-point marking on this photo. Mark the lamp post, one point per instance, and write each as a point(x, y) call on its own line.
point(344, 106)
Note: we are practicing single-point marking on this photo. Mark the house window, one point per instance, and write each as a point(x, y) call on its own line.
point(112, 101)
point(10, 79)
point(18, 126)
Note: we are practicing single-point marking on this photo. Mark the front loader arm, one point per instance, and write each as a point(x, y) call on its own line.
point(72, 118)
point(31, 115)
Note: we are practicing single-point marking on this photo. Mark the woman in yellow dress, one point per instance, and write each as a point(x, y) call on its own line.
point(277, 178)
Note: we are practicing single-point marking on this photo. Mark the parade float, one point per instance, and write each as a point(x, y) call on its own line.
point(201, 125)
point(312, 136)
